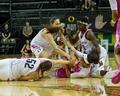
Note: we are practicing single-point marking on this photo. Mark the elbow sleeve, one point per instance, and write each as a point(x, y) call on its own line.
point(80, 54)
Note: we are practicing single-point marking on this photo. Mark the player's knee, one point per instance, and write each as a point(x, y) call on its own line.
point(117, 51)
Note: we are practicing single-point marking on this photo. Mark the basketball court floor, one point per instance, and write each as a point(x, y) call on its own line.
point(60, 87)
point(51, 86)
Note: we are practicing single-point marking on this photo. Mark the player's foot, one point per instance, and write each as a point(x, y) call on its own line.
point(116, 77)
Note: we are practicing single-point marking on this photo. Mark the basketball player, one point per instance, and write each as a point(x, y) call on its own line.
point(88, 43)
point(115, 7)
point(43, 44)
point(87, 62)
point(26, 68)
point(82, 65)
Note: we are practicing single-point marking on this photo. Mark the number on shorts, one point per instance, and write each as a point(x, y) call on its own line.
point(30, 63)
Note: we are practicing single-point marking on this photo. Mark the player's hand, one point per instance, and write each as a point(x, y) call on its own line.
point(62, 30)
point(112, 22)
point(73, 60)
point(83, 64)
point(73, 49)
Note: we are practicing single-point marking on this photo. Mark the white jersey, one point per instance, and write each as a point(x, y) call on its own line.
point(87, 47)
point(11, 69)
point(86, 44)
point(39, 40)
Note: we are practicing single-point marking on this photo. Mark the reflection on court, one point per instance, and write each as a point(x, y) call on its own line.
point(58, 87)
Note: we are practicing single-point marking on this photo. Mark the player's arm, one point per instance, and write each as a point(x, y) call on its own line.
point(78, 53)
point(31, 31)
point(91, 36)
point(114, 17)
point(82, 62)
point(22, 50)
point(51, 41)
point(113, 5)
point(3, 35)
point(30, 76)
point(23, 32)
point(60, 62)
point(67, 41)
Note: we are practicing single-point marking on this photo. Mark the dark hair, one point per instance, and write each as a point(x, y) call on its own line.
point(93, 57)
point(49, 28)
point(85, 19)
point(44, 66)
point(52, 20)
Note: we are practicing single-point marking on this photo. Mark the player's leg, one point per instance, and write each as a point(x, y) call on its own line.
point(102, 67)
point(116, 77)
point(117, 56)
point(84, 72)
point(117, 44)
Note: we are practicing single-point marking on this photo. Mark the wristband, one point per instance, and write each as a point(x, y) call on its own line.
point(113, 21)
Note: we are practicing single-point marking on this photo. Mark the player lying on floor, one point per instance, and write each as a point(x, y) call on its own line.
point(81, 68)
point(86, 64)
point(26, 68)
point(87, 68)
point(89, 65)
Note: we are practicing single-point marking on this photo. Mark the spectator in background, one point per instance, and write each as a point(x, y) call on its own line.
point(7, 42)
point(93, 6)
point(87, 4)
point(0, 33)
point(27, 31)
point(5, 38)
point(6, 33)
point(26, 51)
point(82, 7)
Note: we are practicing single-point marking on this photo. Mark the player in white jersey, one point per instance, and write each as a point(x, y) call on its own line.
point(26, 68)
point(88, 46)
point(43, 44)
point(85, 63)
point(88, 42)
